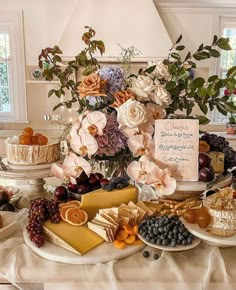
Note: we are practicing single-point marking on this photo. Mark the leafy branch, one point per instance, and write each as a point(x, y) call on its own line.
point(51, 62)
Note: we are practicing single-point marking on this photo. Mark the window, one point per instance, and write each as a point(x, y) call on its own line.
point(228, 58)
point(12, 69)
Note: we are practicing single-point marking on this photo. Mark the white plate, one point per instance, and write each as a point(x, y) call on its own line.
point(209, 238)
point(10, 220)
point(196, 242)
point(101, 254)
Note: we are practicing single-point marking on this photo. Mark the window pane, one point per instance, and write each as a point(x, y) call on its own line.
point(5, 105)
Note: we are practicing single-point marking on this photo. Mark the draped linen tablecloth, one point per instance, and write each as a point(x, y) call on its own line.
point(204, 267)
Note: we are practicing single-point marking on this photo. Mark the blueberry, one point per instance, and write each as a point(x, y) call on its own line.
point(155, 256)
point(180, 237)
point(158, 242)
point(173, 243)
point(151, 236)
point(166, 229)
point(162, 237)
point(120, 185)
point(165, 242)
point(175, 217)
point(153, 241)
point(181, 229)
point(184, 242)
point(185, 234)
point(189, 240)
point(178, 242)
point(170, 236)
point(161, 229)
point(175, 231)
point(146, 254)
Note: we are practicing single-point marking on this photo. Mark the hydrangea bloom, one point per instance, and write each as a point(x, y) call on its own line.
point(114, 76)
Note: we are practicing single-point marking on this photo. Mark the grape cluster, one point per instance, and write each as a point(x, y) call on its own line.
point(218, 143)
point(165, 231)
point(40, 210)
point(116, 183)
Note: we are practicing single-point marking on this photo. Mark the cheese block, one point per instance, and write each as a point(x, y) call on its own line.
point(78, 240)
point(98, 199)
point(217, 161)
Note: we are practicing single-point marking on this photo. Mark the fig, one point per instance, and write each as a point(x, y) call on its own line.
point(61, 193)
point(7, 207)
point(4, 197)
point(204, 160)
point(204, 146)
point(82, 189)
point(206, 174)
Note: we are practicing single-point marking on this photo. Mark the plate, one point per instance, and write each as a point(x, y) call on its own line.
point(10, 221)
point(209, 238)
point(101, 254)
point(178, 248)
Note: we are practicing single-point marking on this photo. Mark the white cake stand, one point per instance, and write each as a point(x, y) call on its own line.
point(33, 174)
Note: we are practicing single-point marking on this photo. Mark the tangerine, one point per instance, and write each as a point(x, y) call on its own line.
point(25, 140)
point(76, 216)
point(42, 140)
point(34, 140)
point(28, 131)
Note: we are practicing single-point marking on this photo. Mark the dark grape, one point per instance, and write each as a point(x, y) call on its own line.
point(40, 210)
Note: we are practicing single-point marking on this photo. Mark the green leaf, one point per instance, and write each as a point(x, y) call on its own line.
point(188, 55)
point(212, 78)
point(150, 69)
point(214, 39)
point(51, 92)
point(170, 85)
point(179, 39)
point(232, 120)
point(180, 47)
point(198, 82)
point(200, 47)
point(203, 120)
point(223, 43)
point(193, 64)
point(203, 108)
point(202, 92)
point(210, 90)
point(230, 107)
point(231, 72)
point(214, 52)
point(58, 106)
point(201, 55)
point(175, 55)
point(58, 93)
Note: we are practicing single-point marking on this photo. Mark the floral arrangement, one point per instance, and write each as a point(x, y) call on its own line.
point(117, 113)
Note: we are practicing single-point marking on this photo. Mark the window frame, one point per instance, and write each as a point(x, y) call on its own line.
point(13, 22)
point(224, 21)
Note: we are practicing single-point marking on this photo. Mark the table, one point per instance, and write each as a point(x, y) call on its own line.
point(204, 267)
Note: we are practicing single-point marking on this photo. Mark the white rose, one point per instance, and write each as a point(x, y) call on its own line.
point(161, 70)
point(131, 114)
point(161, 96)
point(142, 86)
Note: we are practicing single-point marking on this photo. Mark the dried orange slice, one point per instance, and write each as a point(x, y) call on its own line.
point(74, 202)
point(63, 211)
point(76, 216)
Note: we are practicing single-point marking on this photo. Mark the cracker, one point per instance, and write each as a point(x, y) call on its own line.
point(220, 232)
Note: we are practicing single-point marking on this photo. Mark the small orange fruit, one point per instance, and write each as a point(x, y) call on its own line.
point(119, 245)
point(28, 131)
point(130, 240)
point(128, 229)
point(121, 235)
point(76, 216)
point(42, 140)
point(204, 146)
point(137, 242)
point(25, 140)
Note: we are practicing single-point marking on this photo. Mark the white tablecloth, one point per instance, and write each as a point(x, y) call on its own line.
point(204, 267)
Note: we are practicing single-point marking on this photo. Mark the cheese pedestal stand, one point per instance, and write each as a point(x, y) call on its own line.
point(101, 254)
point(34, 176)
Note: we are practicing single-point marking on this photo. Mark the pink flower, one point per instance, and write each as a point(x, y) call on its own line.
point(57, 171)
point(156, 112)
point(226, 93)
point(166, 184)
point(144, 171)
point(73, 165)
point(141, 145)
point(94, 123)
point(84, 144)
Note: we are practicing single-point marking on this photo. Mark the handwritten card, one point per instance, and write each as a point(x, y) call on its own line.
point(176, 147)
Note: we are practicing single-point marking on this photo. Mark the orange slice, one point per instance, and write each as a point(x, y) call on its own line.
point(74, 202)
point(63, 211)
point(76, 216)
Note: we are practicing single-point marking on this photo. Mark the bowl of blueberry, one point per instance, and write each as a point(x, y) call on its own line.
point(166, 233)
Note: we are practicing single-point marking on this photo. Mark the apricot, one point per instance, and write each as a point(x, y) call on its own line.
point(137, 242)
point(119, 245)
point(121, 235)
point(128, 229)
point(204, 146)
point(130, 240)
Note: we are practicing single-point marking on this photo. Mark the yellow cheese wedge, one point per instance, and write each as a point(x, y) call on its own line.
point(95, 200)
point(78, 240)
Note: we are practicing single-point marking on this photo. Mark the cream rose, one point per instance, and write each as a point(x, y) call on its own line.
point(142, 86)
point(132, 114)
point(92, 85)
point(161, 70)
point(161, 96)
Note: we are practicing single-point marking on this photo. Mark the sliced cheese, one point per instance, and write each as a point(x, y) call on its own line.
point(217, 161)
point(98, 199)
point(78, 240)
